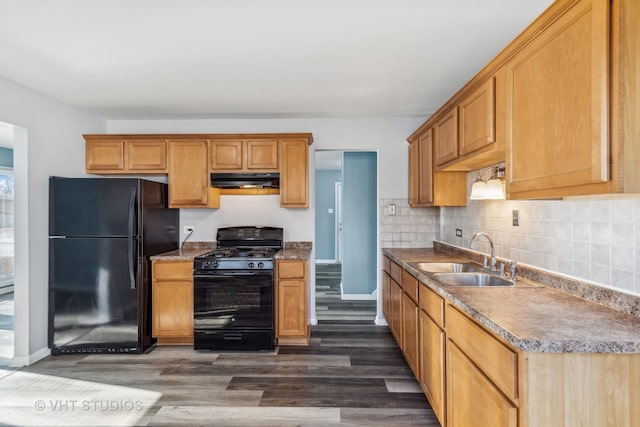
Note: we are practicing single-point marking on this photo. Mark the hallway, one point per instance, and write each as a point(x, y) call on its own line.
point(330, 308)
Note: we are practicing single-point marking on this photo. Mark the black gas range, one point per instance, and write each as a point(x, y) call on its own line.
point(234, 290)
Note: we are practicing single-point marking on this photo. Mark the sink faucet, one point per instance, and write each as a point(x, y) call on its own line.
point(492, 266)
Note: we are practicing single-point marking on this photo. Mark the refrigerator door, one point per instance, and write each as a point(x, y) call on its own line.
point(93, 302)
point(92, 207)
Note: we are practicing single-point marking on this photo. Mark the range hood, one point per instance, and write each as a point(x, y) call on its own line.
point(245, 180)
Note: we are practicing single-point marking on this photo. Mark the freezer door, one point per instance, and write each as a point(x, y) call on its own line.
point(92, 207)
point(93, 303)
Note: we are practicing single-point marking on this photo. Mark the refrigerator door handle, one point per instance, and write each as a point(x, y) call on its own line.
point(130, 241)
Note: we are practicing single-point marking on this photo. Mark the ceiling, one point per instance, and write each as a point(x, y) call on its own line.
point(150, 59)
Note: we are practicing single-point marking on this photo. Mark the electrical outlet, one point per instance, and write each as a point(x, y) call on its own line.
point(392, 209)
point(188, 229)
point(458, 232)
point(515, 218)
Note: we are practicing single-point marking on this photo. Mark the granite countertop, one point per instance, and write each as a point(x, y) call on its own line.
point(533, 318)
point(187, 254)
point(293, 253)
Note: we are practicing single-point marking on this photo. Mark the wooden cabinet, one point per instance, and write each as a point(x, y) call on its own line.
point(107, 155)
point(426, 187)
point(410, 333)
point(558, 97)
point(172, 301)
point(294, 173)
point(432, 351)
point(237, 155)
point(445, 137)
point(396, 311)
point(472, 400)
point(386, 296)
point(291, 302)
point(188, 177)
point(477, 118)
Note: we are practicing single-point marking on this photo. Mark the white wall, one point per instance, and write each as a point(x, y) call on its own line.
point(49, 142)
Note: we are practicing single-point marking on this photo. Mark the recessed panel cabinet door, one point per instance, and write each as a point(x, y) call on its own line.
point(294, 170)
point(226, 155)
point(432, 379)
point(188, 177)
point(147, 155)
point(262, 154)
point(473, 400)
point(477, 122)
point(557, 104)
point(107, 155)
point(445, 137)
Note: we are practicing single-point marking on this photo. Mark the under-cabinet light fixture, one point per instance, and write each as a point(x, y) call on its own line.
point(492, 189)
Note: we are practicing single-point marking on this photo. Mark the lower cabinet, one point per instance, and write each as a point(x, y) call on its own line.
point(410, 333)
point(473, 400)
point(471, 377)
point(172, 301)
point(432, 357)
point(291, 302)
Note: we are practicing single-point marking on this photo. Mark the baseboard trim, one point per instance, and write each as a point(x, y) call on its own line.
point(358, 297)
point(380, 321)
point(327, 261)
point(20, 361)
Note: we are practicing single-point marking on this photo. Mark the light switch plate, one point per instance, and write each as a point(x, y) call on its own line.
point(392, 209)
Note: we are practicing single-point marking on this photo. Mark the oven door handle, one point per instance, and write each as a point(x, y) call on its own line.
point(235, 274)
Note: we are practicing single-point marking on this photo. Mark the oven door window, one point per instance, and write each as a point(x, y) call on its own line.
point(234, 300)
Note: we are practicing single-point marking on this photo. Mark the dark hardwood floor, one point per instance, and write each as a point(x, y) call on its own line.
point(352, 375)
point(330, 308)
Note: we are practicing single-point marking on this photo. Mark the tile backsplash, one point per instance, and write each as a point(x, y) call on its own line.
point(409, 227)
point(597, 240)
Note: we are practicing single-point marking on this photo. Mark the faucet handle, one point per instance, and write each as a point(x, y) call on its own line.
point(502, 273)
point(485, 262)
point(512, 269)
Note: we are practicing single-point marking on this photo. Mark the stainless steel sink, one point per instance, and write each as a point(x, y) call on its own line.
point(472, 279)
point(446, 267)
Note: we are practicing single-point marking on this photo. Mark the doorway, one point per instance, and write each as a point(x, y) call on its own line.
point(346, 235)
point(7, 245)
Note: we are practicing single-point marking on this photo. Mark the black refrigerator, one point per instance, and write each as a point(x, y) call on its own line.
point(102, 232)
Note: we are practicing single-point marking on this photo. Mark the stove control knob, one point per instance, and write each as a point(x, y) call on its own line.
point(251, 265)
point(261, 265)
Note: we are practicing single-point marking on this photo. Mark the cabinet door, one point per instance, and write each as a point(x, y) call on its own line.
point(396, 311)
point(477, 124)
point(386, 297)
point(557, 104)
point(410, 333)
point(188, 174)
point(292, 314)
point(445, 137)
point(432, 379)
point(472, 400)
point(226, 155)
point(147, 156)
point(294, 170)
point(104, 156)
point(425, 170)
point(173, 309)
point(262, 154)
point(414, 174)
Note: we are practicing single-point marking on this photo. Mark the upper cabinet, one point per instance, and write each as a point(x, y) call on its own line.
point(557, 113)
point(294, 173)
point(107, 155)
point(237, 155)
point(559, 105)
point(188, 159)
point(428, 188)
point(477, 118)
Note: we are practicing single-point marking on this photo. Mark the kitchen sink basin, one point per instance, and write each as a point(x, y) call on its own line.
point(472, 279)
point(446, 267)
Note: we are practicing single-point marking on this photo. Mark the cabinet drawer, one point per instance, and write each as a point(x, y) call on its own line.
point(291, 269)
point(432, 304)
point(386, 264)
point(410, 285)
point(396, 273)
point(497, 361)
point(166, 270)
